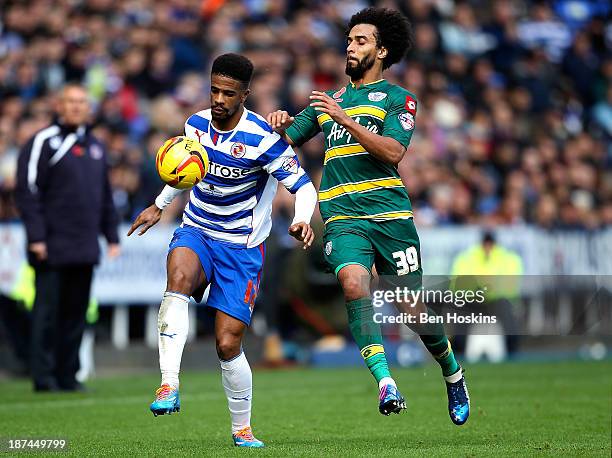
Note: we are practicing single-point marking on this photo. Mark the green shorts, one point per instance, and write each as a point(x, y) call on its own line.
point(392, 246)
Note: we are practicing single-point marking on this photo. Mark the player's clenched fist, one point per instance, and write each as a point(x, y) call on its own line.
point(279, 120)
point(302, 232)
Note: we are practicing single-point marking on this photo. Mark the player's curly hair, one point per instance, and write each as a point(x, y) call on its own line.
point(233, 66)
point(393, 31)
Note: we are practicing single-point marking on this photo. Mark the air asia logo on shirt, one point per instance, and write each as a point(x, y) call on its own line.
point(96, 152)
point(238, 150)
point(290, 165)
point(338, 94)
point(376, 96)
point(406, 120)
point(411, 105)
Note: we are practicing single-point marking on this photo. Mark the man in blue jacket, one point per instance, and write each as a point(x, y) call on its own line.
point(64, 197)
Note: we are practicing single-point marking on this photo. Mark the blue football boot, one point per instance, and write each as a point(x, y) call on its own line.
point(391, 400)
point(245, 438)
point(166, 401)
point(458, 400)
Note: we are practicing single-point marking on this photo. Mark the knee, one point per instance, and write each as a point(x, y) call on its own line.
point(228, 346)
point(179, 282)
point(354, 288)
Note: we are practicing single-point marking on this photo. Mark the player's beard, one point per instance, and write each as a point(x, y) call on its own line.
point(222, 116)
point(357, 71)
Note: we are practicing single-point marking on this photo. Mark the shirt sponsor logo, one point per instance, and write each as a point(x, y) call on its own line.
point(376, 96)
point(210, 190)
point(411, 105)
point(406, 120)
point(238, 150)
point(290, 165)
point(337, 132)
point(224, 171)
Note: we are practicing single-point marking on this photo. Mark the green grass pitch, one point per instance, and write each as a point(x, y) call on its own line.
point(541, 409)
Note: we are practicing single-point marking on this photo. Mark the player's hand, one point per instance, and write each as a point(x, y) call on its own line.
point(39, 249)
point(302, 232)
point(113, 250)
point(325, 104)
point(280, 120)
point(147, 218)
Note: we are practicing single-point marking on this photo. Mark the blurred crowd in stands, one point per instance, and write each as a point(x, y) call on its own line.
point(515, 97)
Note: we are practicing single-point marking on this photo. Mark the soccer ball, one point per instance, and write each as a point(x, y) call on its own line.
point(181, 162)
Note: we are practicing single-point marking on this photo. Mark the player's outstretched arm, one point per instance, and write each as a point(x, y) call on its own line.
point(147, 219)
point(305, 203)
point(280, 121)
point(151, 215)
point(386, 149)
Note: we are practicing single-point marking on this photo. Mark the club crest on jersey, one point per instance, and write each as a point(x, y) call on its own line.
point(406, 120)
point(338, 94)
point(328, 248)
point(411, 105)
point(290, 165)
point(376, 96)
point(96, 152)
point(238, 150)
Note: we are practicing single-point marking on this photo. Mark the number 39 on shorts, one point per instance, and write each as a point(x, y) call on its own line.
point(406, 261)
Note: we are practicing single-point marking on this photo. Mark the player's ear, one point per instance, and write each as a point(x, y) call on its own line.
point(382, 52)
point(245, 94)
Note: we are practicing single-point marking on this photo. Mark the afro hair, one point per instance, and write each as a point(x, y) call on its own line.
point(393, 31)
point(233, 66)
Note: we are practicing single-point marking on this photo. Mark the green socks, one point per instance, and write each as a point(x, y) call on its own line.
point(368, 336)
point(436, 342)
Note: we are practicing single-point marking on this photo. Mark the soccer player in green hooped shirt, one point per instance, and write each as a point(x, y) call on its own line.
point(367, 126)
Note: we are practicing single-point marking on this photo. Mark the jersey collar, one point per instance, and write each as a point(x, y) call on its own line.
point(352, 85)
point(219, 136)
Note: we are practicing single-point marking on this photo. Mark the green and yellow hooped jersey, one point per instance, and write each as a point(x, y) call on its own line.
point(355, 184)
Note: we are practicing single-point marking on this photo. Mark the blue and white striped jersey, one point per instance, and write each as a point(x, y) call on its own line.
point(233, 203)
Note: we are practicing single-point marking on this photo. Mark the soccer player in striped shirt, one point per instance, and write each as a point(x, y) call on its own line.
point(367, 126)
point(221, 239)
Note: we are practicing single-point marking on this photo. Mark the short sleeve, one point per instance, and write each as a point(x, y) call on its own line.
point(280, 161)
point(304, 127)
point(400, 119)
